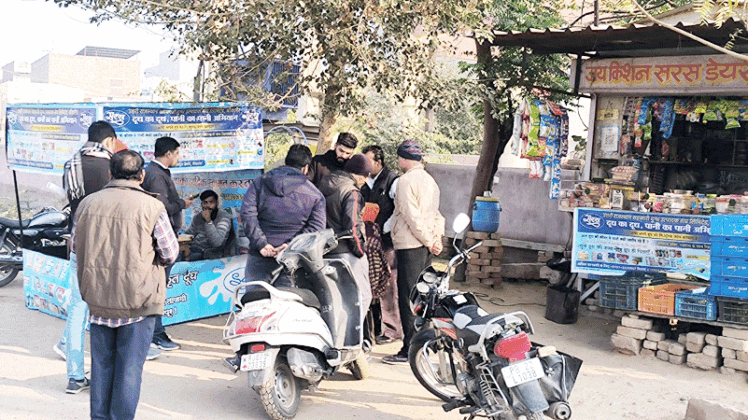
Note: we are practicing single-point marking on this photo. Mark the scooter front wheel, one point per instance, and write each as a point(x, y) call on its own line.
point(281, 393)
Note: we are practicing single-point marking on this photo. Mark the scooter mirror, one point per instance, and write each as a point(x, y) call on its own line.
point(460, 223)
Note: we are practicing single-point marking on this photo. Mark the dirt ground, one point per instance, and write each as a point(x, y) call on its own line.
point(193, 384)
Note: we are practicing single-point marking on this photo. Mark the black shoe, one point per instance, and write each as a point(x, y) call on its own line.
point(163, 342)
point(383, 340)
point(395, 359)
point(75, 386)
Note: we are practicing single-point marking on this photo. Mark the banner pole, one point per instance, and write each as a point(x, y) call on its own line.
point(18, 206)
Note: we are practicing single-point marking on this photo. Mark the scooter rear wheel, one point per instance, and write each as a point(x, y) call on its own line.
point(281, 393)
point(7, 272)
point(360, 368)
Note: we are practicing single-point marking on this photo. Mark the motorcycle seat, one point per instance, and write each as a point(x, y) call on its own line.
point(13, 223)
point(470, 322)
point(258, 293)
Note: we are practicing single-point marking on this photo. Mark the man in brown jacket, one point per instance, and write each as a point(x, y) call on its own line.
point(123, 239)
point(417, 232)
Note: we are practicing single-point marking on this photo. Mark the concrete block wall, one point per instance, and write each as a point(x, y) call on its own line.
point(642, 335)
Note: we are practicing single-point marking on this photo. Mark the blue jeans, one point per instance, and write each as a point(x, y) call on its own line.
point(117, 358)
point(259, 268)
point(75, 326)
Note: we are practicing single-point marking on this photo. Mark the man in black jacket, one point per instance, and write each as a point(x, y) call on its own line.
point(332, 160)
point(380, 189)
point(344, 207)
point(158, 180)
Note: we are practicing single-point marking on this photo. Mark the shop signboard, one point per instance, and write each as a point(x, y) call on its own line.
point(194, 290)
point(694, 75)
point(610, 242)
point(41, 138)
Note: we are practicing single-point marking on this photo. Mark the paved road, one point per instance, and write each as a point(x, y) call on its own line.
point(193, 384)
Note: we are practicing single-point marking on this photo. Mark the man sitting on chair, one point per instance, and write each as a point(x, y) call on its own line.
point(211, 228)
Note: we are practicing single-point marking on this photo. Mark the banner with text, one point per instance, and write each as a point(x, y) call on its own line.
point(46, 283)
point(213, 137)
point(41, 138)
point(696, 74)
point(611, 242)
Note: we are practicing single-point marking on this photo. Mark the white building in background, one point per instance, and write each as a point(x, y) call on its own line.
point(172, 79)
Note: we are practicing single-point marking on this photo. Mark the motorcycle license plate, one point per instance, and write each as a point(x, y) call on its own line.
point(522, 372)
point(255, 361)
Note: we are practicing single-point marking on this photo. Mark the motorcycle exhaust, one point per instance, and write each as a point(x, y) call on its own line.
point(559, 410)
point(11, 259)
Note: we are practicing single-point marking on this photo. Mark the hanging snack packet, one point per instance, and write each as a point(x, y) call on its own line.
point(668, 118)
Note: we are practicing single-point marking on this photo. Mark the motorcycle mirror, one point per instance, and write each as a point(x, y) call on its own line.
point(460, 223)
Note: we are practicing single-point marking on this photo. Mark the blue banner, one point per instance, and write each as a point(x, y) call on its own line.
point(41, 138)
point(194, 290)
point(213, 136)
point(611, 242)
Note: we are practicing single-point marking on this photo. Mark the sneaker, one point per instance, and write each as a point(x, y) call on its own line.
point(163, 342)
point(61, 349)
point(395, 359)
point(75, 386)
point(382, 339)
point(232, 363)
point(153, 353)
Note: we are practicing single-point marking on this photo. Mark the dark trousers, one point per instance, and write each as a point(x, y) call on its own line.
point(410, 263)
point(117, 358)
point(260, 268)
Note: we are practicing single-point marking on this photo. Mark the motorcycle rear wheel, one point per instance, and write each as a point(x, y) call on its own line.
point(7, 272)
point(426, 362)
point(281, 393)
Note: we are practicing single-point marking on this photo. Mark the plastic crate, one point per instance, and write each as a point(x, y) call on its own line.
point(696, 304)
point(736, 287)
point(729, 246)
point(732, 310)
point(729, 266)
point(729, 225)
point(620, 292)
point(660, 299)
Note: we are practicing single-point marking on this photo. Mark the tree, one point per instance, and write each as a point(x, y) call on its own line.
point(341, 46)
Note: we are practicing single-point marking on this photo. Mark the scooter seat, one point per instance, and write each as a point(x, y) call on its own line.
point(258, 293)
point(13, 223)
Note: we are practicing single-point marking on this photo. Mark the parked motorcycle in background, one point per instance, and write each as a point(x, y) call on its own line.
point(45, 232)
point(292, 338)
point(484, 364)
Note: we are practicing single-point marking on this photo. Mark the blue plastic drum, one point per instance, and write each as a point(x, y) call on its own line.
point(486, 212)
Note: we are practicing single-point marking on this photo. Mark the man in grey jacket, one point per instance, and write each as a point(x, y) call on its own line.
point(210, 227)
point(123, 240)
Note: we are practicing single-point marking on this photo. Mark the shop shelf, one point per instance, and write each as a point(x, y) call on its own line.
point(736, 287)
point(620, 292)
point(732, 310)
point(660, 299)
point(729, 225)
point(729, 266)
point(696, 304)
point(729, 246)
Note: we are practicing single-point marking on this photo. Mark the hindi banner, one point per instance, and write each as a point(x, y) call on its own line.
point(611, 242)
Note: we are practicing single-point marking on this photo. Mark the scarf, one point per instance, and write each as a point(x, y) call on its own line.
point(72, 178)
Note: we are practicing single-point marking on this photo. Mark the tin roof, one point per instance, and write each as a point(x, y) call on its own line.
point(107, 52)
point(624, 41)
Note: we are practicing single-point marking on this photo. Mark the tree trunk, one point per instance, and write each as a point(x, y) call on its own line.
point(488, 155)
point(329, 116)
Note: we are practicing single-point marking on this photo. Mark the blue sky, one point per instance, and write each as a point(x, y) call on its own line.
point(29, 29)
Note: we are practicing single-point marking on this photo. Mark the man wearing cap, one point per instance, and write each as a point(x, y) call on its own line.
point(344, 207)
point(417, 232)
point(332, 160)
point(210, 227)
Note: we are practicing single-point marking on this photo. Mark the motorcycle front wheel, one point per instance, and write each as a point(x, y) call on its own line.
point(281, 393)
point(431, 365)
point(7, 272)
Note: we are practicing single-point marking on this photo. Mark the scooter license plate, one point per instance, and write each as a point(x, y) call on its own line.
point(522, 372)
point(255, 361)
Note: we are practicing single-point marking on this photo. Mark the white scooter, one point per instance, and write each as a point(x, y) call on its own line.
point(292, 338)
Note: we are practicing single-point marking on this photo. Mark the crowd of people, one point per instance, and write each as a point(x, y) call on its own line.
point(127, 215)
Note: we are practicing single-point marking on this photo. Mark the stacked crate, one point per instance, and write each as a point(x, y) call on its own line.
point(485, 261)
point(729, 268)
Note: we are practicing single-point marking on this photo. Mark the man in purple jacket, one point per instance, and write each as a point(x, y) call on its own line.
point(278, 206)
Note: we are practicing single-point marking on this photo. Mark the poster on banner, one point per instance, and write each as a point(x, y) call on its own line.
point(41, 138)
point(202, 289)
point(610, 242)
point(46, 283)
point(213, 137)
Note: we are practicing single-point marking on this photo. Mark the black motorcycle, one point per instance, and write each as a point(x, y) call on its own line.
point(484, 364)
point(45, 232)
